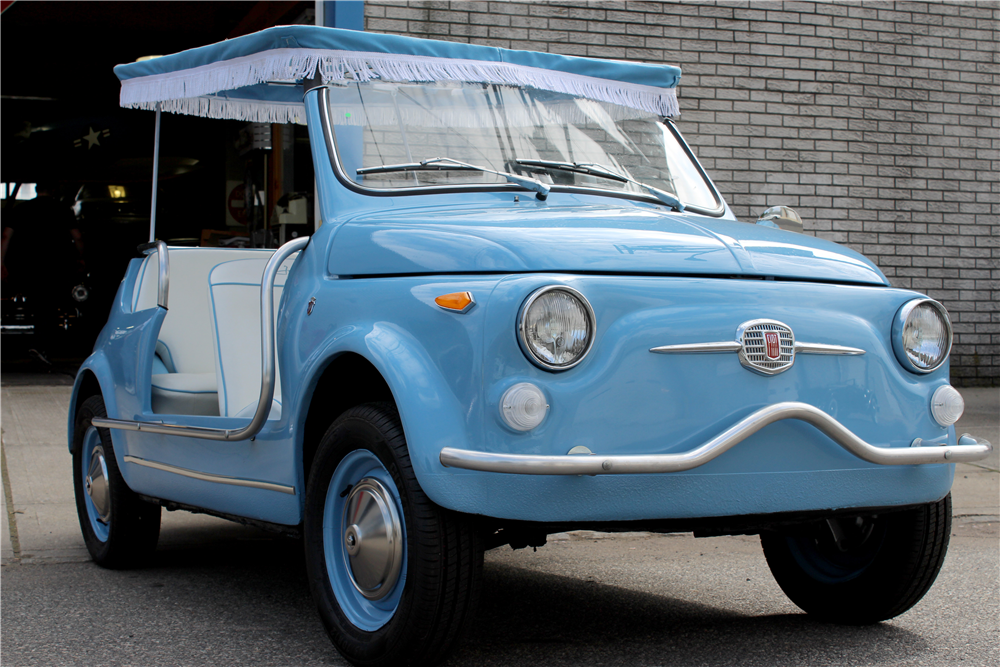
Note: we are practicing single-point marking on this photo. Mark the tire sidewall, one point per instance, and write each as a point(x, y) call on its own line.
point(909, 552)
point(134, 524)
point(93, 407)
point(356, 430)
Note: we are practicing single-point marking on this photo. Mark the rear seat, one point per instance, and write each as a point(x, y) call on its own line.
point(234, 291)
point(184, 373)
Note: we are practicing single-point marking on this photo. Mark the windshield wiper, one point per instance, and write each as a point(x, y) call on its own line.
point(594, 169)
point(536, 186)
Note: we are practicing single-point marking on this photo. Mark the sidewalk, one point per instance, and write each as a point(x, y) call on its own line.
point(39, 513)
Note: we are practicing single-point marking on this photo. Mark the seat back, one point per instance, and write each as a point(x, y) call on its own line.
point(234, 294)
point(187, 331)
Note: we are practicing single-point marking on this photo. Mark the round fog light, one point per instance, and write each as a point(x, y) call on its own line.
point(947, 405)
point(523, 406)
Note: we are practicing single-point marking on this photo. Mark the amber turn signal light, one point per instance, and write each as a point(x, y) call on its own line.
point(458, 301)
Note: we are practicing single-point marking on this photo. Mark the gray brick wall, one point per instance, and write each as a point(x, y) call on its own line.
point(877, 121)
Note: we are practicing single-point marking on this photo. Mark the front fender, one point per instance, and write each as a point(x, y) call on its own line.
point(432, 415)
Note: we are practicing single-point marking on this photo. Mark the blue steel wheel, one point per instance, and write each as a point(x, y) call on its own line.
point(364, 540)
point(119, 528)
point(94, 469)
point(395, 578)
point(861, 570)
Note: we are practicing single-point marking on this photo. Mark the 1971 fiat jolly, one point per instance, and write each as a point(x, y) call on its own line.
point(527, 310)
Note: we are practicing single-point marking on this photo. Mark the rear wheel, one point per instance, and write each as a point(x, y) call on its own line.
point(119, 528)
point(394, 576)
point(861, 570)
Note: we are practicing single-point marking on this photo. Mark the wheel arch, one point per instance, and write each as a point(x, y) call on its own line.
point(331, 397)
point(383, 362)
point(89, 383)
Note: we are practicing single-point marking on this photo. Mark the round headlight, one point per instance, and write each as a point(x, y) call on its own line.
point(556, 327)
point(921, 335)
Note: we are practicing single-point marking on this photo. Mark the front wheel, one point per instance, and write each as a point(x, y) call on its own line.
point(861, 570)
point(119, 528)
point(394, 576)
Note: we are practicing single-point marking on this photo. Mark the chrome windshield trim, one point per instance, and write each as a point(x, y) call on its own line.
point(735, 346)
point(206, 477)
point(330, 140)
point(598, 464)
point(267, 365)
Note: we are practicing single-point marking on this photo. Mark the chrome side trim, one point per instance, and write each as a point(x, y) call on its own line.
point(736, 346)
point(525, 464)
point(266, 364)
point(704, 348)
point(205, 477)
point(820, 348)
point(163, 286)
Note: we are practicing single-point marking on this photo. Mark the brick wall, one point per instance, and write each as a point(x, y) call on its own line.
point(877, 121)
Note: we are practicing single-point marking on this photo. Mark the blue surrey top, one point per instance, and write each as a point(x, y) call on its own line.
point(253, 77)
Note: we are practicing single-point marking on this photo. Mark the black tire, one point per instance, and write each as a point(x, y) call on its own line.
point(881, 567)
point(128, 533)
point(428, 607)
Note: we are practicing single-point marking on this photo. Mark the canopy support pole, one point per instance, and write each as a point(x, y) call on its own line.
point(156, 174)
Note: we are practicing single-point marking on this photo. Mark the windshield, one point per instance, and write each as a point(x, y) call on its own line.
point(396, 134)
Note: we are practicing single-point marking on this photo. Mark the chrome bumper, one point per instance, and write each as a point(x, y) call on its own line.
point(967, 449)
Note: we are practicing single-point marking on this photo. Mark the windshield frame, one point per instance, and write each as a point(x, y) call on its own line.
point(339, 171)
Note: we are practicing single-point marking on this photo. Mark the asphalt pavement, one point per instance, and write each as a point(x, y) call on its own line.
point(217, 593)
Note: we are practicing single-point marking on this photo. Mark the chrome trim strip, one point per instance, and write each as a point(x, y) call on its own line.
point(206, 477)
point(266, 359)
point(704, 348)
point(163, 286)
point(820, 348)
point(735, 346)
point(526, 464)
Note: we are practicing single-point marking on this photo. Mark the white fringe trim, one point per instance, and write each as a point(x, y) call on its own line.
point(182, 91)
point(251, 111)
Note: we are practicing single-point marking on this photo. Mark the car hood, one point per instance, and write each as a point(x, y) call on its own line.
point(533, 237)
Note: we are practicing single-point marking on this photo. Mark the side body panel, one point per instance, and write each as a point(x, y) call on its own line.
point(122, 362)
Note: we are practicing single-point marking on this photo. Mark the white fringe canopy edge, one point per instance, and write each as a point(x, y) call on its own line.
point(184, 91)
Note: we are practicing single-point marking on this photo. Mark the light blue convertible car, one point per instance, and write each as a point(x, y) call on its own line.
point(527, 310)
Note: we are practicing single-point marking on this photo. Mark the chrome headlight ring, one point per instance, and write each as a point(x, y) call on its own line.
point(523, 327)
point(907, 337)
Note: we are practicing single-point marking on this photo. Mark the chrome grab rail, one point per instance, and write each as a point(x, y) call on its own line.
point(266, 358)
point(163, 286)
point(967, 449)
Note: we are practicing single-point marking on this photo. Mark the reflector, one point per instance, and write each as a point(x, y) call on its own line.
point(457, 301)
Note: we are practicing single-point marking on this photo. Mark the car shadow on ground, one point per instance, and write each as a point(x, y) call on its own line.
point(253, 585)
point(528, 617)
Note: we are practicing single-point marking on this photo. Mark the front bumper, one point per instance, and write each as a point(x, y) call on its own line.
point(968, 449)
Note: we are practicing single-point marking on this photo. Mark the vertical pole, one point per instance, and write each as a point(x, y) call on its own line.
point(340, 14)
point(156, 174)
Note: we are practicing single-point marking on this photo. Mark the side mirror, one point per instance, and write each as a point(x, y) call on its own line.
point(781, 217)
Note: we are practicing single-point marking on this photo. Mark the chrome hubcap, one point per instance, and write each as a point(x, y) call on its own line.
point(96, 484)
point(373, 539)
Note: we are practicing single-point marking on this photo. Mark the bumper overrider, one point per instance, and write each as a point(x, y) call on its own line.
point(968, 449)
